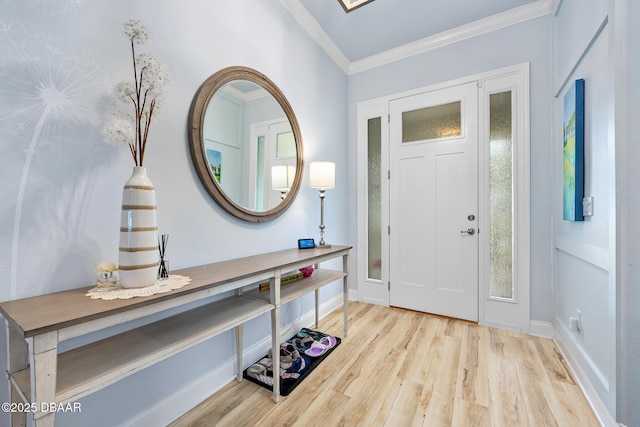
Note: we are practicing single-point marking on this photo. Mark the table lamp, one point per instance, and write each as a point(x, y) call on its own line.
point(282, 179)
point(322, 177)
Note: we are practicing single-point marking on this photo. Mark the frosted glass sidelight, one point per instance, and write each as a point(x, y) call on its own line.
point(260, 205)
point(374, 199)
point(501, 196)
point(285, 145)
point(440, 121)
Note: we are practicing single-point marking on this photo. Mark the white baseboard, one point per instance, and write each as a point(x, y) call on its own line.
point(596, 403)
point(541, 329)
point(184, 399)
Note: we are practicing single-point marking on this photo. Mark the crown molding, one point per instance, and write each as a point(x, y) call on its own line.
point(309, 23)
point(556, 7)
point(464, 32)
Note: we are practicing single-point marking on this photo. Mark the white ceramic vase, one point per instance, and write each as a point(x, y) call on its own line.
point(138, 258)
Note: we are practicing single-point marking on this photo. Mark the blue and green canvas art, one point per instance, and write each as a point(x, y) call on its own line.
point(215, 162)
point(573, 153)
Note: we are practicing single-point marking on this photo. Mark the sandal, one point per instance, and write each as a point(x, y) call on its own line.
point(289, 376)
point(318, 348)
point(329, 341)
point(290, 349)
point(266, 362)
point(302, 343)
point(298, 365)
point(256, 370)
point(286, 358)
point(306, 332)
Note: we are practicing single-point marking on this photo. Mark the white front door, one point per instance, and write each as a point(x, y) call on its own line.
point(434, 202)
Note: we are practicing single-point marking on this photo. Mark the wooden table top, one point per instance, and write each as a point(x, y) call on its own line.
point(50, 312)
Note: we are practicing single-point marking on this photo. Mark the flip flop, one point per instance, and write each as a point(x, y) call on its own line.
point(329, 341)
point(302, 343)
point(318, 348)
point(289, 376)
point(306, 332)
point(298, 365)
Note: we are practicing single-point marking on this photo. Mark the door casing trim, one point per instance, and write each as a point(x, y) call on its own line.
point(377, 291)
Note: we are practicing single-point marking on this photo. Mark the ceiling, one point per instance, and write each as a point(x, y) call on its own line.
point(381, 26)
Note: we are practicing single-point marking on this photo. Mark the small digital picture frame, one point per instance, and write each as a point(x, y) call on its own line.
point(306, 244)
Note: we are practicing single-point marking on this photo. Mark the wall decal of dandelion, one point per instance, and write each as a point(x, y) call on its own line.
point(45, 91)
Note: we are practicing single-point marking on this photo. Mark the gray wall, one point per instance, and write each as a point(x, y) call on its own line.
point(526, 42)
point(584, 255)
point(627, 113)
point(62, 183)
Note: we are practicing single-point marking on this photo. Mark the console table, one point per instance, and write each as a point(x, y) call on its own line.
point(40, 376)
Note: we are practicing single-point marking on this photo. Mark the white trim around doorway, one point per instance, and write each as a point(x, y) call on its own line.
point(514, 315)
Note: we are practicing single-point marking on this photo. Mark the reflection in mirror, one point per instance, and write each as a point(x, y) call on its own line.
point(246, 133)
point(245, 144)
point(282, 178)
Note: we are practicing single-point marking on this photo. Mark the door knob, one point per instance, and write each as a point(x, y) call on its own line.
point(470, 231)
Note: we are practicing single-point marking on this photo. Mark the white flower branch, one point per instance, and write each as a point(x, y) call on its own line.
point(149, 80)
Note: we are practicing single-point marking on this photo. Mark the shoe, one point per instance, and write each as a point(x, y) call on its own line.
point(302, 343)
point(306, 332)
point(290, 349)
point(318, 348)
point(329, 341)
point(298, 365)
point(256, 370)
point(286, 358)
point(289, 376)
point(266, 362)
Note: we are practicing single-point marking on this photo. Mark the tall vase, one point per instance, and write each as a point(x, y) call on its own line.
point(138, 257)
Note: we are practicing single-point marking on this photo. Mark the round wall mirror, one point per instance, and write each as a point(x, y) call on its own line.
point(245, 144)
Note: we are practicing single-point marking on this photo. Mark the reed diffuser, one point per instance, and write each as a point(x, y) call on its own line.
point(163, 270)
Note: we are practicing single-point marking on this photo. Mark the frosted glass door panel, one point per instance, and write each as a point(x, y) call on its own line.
point(374, 199)
point(260, 182)
point(440, 121)
point(501, 195)
point(285, 145)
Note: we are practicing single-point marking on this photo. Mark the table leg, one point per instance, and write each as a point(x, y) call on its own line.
point(239, 353)
point(345, 290)
point(275, 333)
point(317, 295)
point(18, 360)
point(43, 355)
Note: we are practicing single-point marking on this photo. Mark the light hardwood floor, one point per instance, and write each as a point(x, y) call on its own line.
point(403, 368)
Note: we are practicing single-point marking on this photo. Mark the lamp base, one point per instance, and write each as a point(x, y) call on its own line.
point(323, 246)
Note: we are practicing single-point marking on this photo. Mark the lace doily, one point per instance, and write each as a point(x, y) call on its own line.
point(160, 287)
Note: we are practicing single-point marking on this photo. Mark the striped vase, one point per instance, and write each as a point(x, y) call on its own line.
point(138, 257)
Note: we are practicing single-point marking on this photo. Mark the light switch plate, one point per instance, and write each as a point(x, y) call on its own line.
point(587, 206)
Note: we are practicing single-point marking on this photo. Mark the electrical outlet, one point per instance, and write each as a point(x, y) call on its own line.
point(573, 322)
point(579, 316)
point(576, 322)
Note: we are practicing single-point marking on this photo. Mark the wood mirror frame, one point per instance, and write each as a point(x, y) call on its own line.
point(197, 148)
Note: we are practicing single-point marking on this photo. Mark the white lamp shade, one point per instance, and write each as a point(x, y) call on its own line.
point(322, 175)
point(282, 177)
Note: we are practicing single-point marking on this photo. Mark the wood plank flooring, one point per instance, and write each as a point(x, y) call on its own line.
point(403, 368)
